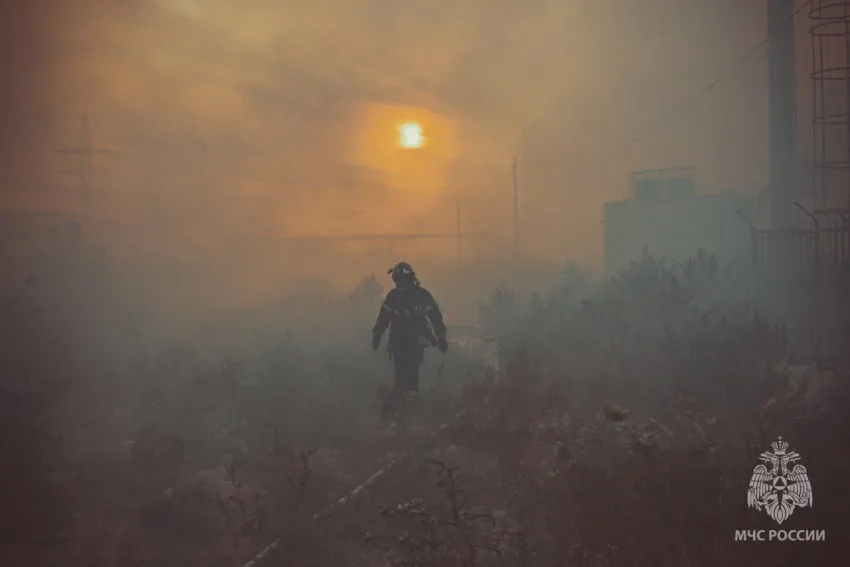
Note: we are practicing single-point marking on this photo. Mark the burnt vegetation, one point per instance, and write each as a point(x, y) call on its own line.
point(620, 429)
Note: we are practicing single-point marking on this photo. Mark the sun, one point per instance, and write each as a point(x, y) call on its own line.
point(411, 135)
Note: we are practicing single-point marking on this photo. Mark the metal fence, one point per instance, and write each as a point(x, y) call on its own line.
point(802, 274)
point(822, 246)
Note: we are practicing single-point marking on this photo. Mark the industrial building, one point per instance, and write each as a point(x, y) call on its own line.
point(669, 217)
point(792, 232)
point(796, 231)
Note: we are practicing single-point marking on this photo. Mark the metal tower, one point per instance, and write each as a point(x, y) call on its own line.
point(830, 36)
point(85, 151)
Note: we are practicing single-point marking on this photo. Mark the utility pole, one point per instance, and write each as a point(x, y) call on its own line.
point(457, 232)
point(86, 151)
point(515, 176)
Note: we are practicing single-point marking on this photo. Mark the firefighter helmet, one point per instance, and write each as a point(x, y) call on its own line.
point(403, 271)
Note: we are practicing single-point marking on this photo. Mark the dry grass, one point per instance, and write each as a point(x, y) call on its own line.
point(621, 430)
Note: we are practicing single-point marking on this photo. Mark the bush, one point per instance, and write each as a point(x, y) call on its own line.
point(621, 429)
point(626, 428)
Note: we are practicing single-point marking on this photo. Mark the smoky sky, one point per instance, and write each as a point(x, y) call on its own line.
point(27, 55)
point(263, 118)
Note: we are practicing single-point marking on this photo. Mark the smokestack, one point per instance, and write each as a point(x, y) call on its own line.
point(783, 133)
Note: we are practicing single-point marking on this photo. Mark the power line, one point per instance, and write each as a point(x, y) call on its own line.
point(702, 93)
point(389, 236)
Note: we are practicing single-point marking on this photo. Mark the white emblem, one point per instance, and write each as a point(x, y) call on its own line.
point(778, 490)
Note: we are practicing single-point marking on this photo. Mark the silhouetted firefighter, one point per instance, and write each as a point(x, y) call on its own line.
point(415, 322)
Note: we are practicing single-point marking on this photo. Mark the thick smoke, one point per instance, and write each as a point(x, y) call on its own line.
point(27, 60)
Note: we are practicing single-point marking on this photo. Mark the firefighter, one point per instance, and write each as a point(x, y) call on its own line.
point(415, 322)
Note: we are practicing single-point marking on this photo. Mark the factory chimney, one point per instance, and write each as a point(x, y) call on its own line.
point(783, 133)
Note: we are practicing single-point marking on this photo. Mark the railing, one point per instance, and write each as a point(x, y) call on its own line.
point(802, 275)
point(823, 246)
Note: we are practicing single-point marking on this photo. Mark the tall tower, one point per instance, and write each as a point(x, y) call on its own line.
point(783, 134)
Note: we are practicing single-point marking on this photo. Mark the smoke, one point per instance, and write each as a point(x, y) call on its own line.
point(235, 125)
point(28, 51)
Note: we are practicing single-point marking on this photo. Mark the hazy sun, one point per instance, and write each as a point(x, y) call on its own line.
point(411, 135)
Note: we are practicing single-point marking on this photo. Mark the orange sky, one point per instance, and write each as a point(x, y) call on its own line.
point(262, 118)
